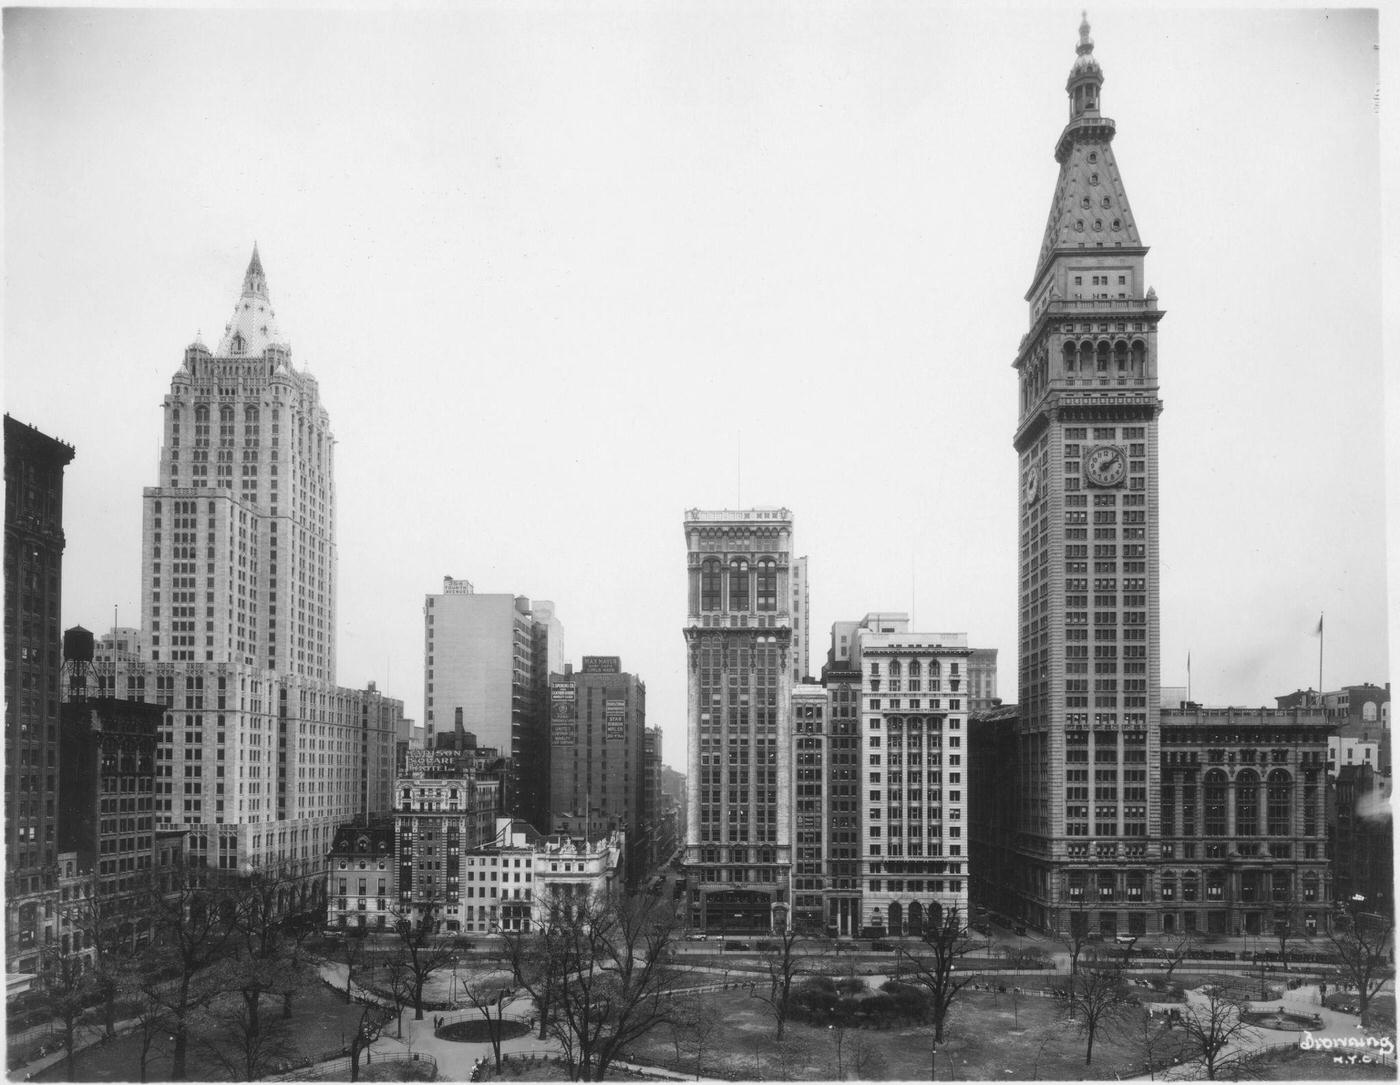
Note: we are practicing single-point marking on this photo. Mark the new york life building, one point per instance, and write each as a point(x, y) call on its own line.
point(261, 755)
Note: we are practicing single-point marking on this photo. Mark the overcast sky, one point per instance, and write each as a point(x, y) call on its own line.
point(564, 271)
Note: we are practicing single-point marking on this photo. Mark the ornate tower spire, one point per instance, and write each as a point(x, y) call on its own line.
point(254, 281)
point(1090, 208)
point(252, 329)
point(1085, 77)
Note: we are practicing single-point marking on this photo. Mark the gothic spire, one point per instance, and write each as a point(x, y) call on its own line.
point(251, 329)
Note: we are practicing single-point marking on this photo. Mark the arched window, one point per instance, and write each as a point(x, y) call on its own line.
point(1101, 358)
point(710, 585)
point(1120, 356)
point(738, 584)
point(1139, 351)
point(1247, 803)
point(1280, 802)
point(914, 668)
point(1215, 803)
point(767, 584)
point(1071, 356)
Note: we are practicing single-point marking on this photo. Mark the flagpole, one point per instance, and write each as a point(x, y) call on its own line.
point(1188, 676)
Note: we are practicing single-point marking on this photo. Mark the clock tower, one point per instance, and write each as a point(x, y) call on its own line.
point(1086, 817)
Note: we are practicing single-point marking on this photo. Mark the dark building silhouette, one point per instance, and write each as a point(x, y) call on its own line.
point(34, 544)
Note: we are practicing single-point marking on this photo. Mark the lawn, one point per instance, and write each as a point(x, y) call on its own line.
point(321, 1021)
point(988, 1036)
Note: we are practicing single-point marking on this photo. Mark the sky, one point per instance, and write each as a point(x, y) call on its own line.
point(564, 271)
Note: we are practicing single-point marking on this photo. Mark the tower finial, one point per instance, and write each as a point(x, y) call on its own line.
point(1086, 43)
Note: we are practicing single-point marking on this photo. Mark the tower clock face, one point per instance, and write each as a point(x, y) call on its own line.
point(1105, 466)
point(1032, 485)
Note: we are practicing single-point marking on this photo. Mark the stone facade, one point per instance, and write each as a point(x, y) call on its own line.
point(1086, 442)
point(738, 637)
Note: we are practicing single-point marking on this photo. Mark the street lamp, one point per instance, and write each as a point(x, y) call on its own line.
point(452, 992)
point(933, 1060)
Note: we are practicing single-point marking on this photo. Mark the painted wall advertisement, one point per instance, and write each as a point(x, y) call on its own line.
point(563, 714)
point(615, 716)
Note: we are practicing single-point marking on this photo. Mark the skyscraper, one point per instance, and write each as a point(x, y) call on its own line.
point(261, 755)
point(34, 543)
point(488, 657)
point(1087, 446)
point(597, 756)
point(738, 637)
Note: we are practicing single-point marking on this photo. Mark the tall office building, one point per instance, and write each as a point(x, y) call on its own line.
point(1088, 608)
point(801, 621)
point(34, 542)
point(597, 756)
point(915, 692)
point(489, 657)
point(261, 755)
point(738, 636)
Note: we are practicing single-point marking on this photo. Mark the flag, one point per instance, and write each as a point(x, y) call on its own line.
point(1318, 633)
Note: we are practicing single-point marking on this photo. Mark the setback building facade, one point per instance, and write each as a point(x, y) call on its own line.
point(261, 755)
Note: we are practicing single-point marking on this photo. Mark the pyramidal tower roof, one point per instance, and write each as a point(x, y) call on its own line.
point(1090, 208)
point(252, 328)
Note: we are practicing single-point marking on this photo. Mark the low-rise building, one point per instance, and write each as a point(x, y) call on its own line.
point(1243, 827)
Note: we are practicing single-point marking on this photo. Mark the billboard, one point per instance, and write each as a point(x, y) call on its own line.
point(563, 714)
point(602, 664)
point(615, 717)
point(430, 762)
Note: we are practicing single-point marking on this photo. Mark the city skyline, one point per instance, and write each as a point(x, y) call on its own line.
point(824, 278)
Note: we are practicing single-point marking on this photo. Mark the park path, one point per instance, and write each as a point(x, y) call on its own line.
point(1305, 1001)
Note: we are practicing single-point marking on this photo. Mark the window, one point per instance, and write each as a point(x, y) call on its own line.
point(767, 584)
point(738, 584)
point(710, 585)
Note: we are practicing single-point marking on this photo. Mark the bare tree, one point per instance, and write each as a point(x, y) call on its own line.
point(611, 978)
point(246, 1047)
point(486, 995)
point(783, 964)
point(1098, 995)
point(1174, 952)
point(152, 1022)
point(864, 1057)
point(934, 967)
point(422, 951)
point(1284, 931)
point(371, 1024)
point(194, 932)
point(1211, 1031)
point(352, 948)
point(536, 959)
point(107, 923)
point(398, 980)
point(1076, 937)
point(67, 988)
point(692, 1028)
point(1362, 949)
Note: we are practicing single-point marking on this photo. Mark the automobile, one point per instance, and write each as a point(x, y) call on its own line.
point(697, 937)
point(881, 947)
point(736, 947)
point(1093, 936)
point(1125, 939)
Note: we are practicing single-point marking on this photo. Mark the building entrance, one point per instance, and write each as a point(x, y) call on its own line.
point(737, 910)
